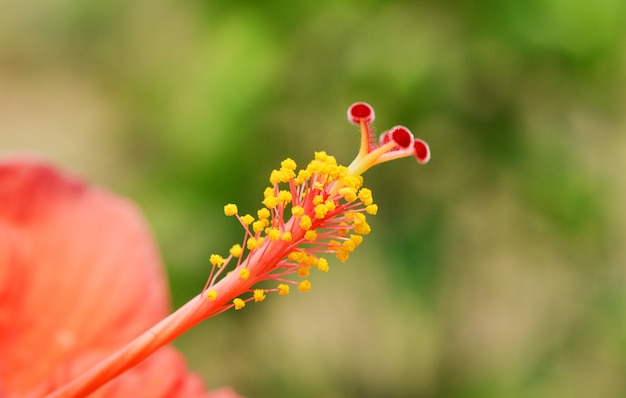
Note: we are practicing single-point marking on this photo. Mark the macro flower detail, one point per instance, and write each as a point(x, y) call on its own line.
point(307, 215)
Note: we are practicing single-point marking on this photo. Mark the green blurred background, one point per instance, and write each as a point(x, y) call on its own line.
point(497, 270)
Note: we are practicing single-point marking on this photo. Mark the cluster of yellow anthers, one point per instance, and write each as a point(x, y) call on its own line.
point(307, 213)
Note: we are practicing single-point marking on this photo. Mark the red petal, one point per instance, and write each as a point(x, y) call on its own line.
point(79, 278)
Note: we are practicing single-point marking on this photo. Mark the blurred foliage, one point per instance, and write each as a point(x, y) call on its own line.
point(496, 270)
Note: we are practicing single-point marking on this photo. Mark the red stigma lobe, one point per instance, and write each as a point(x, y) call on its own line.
point(360, 112)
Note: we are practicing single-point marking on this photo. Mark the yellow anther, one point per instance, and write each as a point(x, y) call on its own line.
point(305, 222)
point(372, 209)
point(247, 219)
point(216, 260)
point(297, 211)
point(349, 245)
point(230, 209)
point(318, 199)
point(260, 240)
point(362, 228)
point(318, 185)
point(310, 260)
point(303, 175)
point(263, 214)
point(258, 226)
point(275, 177)
point(286, 174)
point(284, 197)
point(235, 250)
point(352, 181)
point(288, 164)
point(348, 193)
point(321, 156)
point(320, 211)
point(269, 191)
point(304, 286)
point(330, 205)
point(342, 172)
point(357, 239)
point(239, 303)
point(366, 196)
point(283, 289)
point(252, 244)
point(322, 265)
point(332, 171)
point(324, 166)
point(273, 234)
point(259, 295)
point(287, 236)
point(270, 202)
point(298, 257)
point(244, 274)
point(211, 295)
point(303, 271)
point(310, 235)
point(343, 255)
